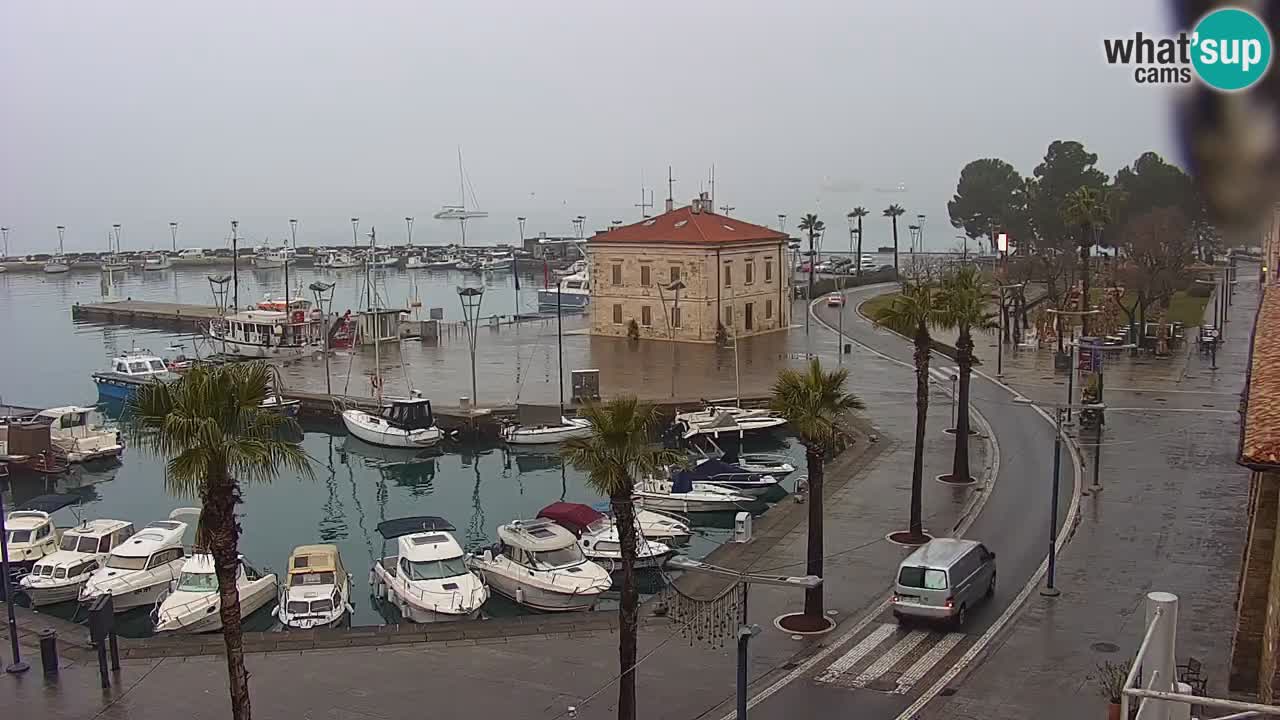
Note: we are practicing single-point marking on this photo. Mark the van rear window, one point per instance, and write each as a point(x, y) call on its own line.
point(924, 578)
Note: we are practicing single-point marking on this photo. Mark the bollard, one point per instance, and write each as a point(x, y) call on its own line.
point(49, 650)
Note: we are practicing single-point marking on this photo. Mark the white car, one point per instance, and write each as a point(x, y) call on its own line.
point(835, 300)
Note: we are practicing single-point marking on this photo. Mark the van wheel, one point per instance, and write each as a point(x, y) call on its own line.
point(960, 617)
point(902, 619)
point(991, 586)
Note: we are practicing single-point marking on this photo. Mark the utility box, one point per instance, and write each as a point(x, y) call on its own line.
point(742, 527)
point(436, 313)
point(428, 330)
point(586, 385)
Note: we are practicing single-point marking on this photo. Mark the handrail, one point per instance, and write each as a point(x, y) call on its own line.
point(1203, 701)
point(1133, 669)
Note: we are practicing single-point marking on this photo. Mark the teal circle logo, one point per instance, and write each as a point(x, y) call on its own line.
point(1231, 49)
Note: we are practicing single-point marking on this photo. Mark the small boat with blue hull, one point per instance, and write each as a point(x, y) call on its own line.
point(129, 372)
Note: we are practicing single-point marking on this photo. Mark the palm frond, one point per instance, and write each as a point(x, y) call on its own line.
point(621, 446)
point(814, 402)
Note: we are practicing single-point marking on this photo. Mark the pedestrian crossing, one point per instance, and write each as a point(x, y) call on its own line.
point(892, 659)
point(943, 374)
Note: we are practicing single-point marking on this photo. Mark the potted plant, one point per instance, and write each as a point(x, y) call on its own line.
point(1111, 677)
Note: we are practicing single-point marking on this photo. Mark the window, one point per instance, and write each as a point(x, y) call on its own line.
point(436, 569)
point(60, 573)
point(43, 531)
point(104, 544)
point(79, 543)
point(157, 366)
point(20, 536)
point(751, 272)
point(562, 557)
point(728, 275)
point(675, 317)
point(748, 318)
point(617, 314)
point(644, 276)
point(675, 273)
point(311, 578)
point(768, 309)
point(608, 546)
point(924, 578)
point(198, 582)
point(121, 562)
point(728, 317)
point(617, 273)
point(137, 367)
point(768, 270)
point(646, 316)
point(122, 368)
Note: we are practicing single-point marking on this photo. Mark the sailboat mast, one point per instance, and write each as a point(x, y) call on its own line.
point(374, 320)
point(560, 347)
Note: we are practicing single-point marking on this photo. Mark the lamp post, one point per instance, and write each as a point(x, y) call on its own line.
point(408, 226)
point(173, 232)
point(235, 265)
point(1075, 347)
point(675, 287)
point(1050, 589)
point(745, 630)
point(782, 222)
point(521, 220)
point(17, 666)
point(324, 300)
point(470, 297)
point(293, 242)
point(5, 231)
point(920, 225)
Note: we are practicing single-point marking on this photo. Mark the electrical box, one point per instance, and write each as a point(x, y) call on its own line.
point(742, 527)
point(586, 385)
point(436, 313)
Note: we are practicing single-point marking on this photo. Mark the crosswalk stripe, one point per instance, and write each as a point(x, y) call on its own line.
point(857, 652)
point(943, 374)
point(927, 661)
point(886, 662)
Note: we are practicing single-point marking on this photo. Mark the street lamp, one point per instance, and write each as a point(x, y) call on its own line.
point(782, 222)
point(675, 287)
point(173, 231)
point(521, 220)
point(408, 224)
point(235, 265)
point(1075, 347)
point(1049, 590)
point(17, 666)
point(920, 225)
point(5, 231)
point(745, 629)
point(1000, 336)
point(293, 241)
point(470, 298)
point(324, 300)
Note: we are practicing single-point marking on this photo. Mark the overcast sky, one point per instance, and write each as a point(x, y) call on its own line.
point(146, 112)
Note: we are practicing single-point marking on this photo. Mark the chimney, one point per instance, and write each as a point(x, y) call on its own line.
point(696, 206)
point(670, 205)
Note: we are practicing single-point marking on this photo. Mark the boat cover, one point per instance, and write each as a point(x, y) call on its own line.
point(390, 529)
point(412, 414)
point(574, 516)
point(682, 482)
point(49, 503)
point(535, 415)
point(713, 468)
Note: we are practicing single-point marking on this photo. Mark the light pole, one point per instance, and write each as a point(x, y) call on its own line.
point(293, 242)
point(521, 220)
point(5, 231)
point(745, 630)
point(17, 666)
point(782, 222)
point(470, 297)
point(1075, 347)
point(235, 265)
point(675, 287)
point(920, 225)
point(173, 232)
point(324, 300)
point(408, 225)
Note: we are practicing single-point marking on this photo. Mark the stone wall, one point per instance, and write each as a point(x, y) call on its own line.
point(1255, 650)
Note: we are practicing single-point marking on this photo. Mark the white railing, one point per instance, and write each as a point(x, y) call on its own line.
point(1158, 697)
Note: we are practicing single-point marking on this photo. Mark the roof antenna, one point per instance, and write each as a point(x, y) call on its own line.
point(671, 182)
point(644, 206)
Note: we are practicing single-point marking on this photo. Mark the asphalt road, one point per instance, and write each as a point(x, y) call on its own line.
point(883, 671)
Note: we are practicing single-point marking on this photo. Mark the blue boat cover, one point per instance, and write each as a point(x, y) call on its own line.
point(682, 482)
point(713, 467)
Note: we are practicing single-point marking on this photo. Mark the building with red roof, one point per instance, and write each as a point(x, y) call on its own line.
point(687, 273)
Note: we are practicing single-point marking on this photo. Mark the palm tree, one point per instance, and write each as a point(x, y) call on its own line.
point(912, 313)
point(964, 298)
point(1089, 208)
point(815, 403)
point(892, 212)
point(215, 436)
point(859, 213)
point(619, 450)
point(811, 224)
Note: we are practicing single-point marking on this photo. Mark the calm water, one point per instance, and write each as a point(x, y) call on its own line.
point(49, 361)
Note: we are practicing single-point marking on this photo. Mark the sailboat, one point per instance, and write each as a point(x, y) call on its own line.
point(460, 212)
point(58, 263)
point(534, 425)
point(114, 261)
point(400, 422)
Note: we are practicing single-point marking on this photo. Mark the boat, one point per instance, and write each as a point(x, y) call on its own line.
point(268, 334)
point(193, 603)
point(415, 262)
point(192, 254)
point(773, 464)
point(72, 433)
point(685, 496)
point(31, 531)
point(336, 260)
point(715, 420)
point(578, 266)
point(269, 258)
point(599, 538)
point(57, 264)
point(539, 564)
point(137, 572)
point(114, 263)
point(156, 261)
point(732, 477)
point(868, 263)
point(572, 293)
point(460, 212)
point(465, 265)
point(318, 591)
point(382, 260)
point(129, 372)
point(661, 527)
point(427, 579)
point(402, 423)
point(496, 263)
point(556, 429)
point(59, 576)
point(445, 263)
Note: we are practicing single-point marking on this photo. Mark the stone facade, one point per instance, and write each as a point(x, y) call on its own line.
point(1255, 647)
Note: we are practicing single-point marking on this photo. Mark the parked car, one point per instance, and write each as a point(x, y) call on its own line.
point(942, 580)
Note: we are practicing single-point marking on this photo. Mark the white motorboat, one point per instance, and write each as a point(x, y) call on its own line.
point(726, 475)
point(599, 538)
point(415, 262)
point(268, 334)
point(445, 263)
point(193, 605)
point(495, 263)
point(663, 528)
point(403, 423)
point(57, 264)
point(465, 265)
point(129, 372)
point(114, 263)
point(578, 266)
point(684, 496)
point(192, 254)
point(566, 429)
point(59, 576)
point(139, 571)
point(72, 432)
point(31, 530)
point(572, 293)
point(716, 420)
point(539, 564)
point(382, 260)
point(774, 464)
point(336, 260)
point(268, 258)
point(427, 579)
point(318, 592)
point(156, 261)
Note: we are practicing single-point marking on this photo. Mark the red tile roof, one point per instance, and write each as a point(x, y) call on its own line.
point(682, 226)
point(1260, 444)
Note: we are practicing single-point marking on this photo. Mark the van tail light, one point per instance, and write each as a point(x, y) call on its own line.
point(896, 598)
point(951, 602)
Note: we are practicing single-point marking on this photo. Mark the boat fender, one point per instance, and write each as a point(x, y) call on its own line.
point(520, 595)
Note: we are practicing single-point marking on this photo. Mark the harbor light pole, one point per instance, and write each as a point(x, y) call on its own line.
point(173, 233)
point(5, 232)
point(235, 265)
point(408, 224)
point(470, 297)
point(745, 630)
point(293, 242)
point(324, 300)
point(17, 666)
point(670, 314)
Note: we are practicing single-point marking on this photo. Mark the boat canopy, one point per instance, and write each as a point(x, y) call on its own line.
point(410, 414)
point(536, 415)
point(712, 468)
point(538, 535)
point(391, 529)
point(49, 503)
point(574, 516)
point(307, 559)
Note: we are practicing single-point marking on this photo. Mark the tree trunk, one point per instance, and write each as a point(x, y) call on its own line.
point(814, 459)
point(859, 258)
point(894, 218)
point(922, 414)
point(629, 605)
point(218, 515)
point(964, 361)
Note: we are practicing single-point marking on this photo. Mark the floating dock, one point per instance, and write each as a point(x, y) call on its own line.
point(144, 312)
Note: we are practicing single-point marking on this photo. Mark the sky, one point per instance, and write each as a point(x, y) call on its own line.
point(142, 113)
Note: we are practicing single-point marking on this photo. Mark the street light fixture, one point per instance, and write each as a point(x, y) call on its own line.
point(745, 629)
point(324, 301)
point(173, 231)
point(521, 220)
point(5, 232)
point(470, 298)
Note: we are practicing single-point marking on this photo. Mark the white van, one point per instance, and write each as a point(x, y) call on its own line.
point(943, 580)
